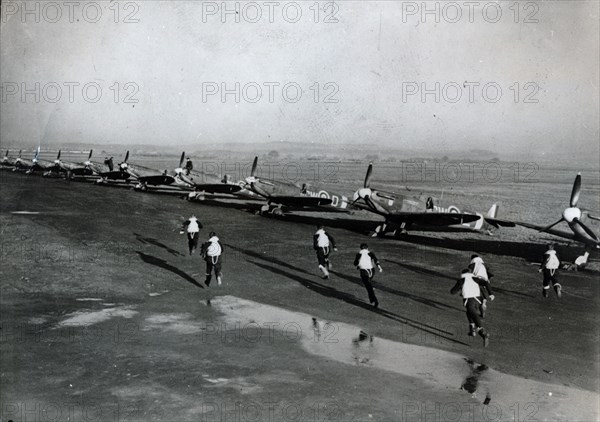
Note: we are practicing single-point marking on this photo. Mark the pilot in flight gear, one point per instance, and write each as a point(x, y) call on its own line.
point(548, 268)
point(364, 262)
point(469, 287)
point(322, 244)
point(429, 204)
point(212, 252)
point(192, 226)
point(479, 269)
point(189, 166)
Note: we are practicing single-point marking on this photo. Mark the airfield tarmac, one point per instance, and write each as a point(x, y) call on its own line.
point(105, 317)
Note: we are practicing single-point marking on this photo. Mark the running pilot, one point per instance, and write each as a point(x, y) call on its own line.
point(322, 244)
point(212, 252)
point(470, 289)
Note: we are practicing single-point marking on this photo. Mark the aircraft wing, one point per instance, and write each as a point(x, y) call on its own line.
point(300, 201)
point(499, 223)
point(217, 188)
point(117, 175)
point(432, 218)
point(554, 232)
point(162, 179)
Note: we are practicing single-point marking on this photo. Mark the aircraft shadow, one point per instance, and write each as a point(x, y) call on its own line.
point(149, 259)
point(419, 299)
point(329, 291)
point(354, 280)
point(152, 241)
point(434, 273)
point(531, 252)
point(528, 251)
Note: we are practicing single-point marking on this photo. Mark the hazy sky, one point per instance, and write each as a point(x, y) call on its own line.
point(372, 59)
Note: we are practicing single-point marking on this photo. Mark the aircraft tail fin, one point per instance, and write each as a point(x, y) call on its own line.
point(493, 211)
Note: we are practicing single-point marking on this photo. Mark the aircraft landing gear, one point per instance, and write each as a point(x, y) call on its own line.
point(195, 196)
point(277, 212)
point(270, 209)
point(143, 187)
point(581, 261)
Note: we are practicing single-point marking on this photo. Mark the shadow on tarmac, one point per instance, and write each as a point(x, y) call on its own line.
point(149, 259)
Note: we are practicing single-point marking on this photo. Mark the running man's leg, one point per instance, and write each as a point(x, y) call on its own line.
point(555, 284)
point(209, 269)
point(218, 274)
point(195, 237)
point(474, 317)
point(366, 276)
point(546, 282)
point(322, 262)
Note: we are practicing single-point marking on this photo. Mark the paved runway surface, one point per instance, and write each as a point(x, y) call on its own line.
point(105, 317)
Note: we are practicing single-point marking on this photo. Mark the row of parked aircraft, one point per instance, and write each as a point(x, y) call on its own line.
point(399, 210)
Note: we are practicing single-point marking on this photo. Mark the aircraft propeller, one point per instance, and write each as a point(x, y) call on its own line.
point(89, 162)
point(123, 166)
point(572, 215)
point(179, 171)
point(252, 180)
point(366, 193)
point(36, 155)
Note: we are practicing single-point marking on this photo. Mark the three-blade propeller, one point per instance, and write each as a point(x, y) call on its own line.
point(366, 193)
point(124, 165)
point(572, 215)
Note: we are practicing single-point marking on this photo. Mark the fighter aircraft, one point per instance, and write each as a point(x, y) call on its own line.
point(407, 210)
point(146, 176)
point(203, 183)
point(8, 161)
point(85, 168)
point(114, 175)
point(576, 218)
point(283, 195)
point(36, 164)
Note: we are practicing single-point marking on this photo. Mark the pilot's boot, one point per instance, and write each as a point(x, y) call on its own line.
point(485, 335)
point(325, 272)
point(558, 290)
point(219, 279)
point(545, 291)
point(472, 330)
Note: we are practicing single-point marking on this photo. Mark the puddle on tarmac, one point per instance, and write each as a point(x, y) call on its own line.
point(85, 318)
point(178, 323)
point(438, 368)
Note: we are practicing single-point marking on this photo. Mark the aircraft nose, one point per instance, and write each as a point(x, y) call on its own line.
point(571, 214)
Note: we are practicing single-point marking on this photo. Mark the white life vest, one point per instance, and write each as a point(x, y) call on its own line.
point(470, 288)
point(365, 262)
point(322, 239)
point(552, 261)
point(479, 269)
point(193, 226)
point(214, 249)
